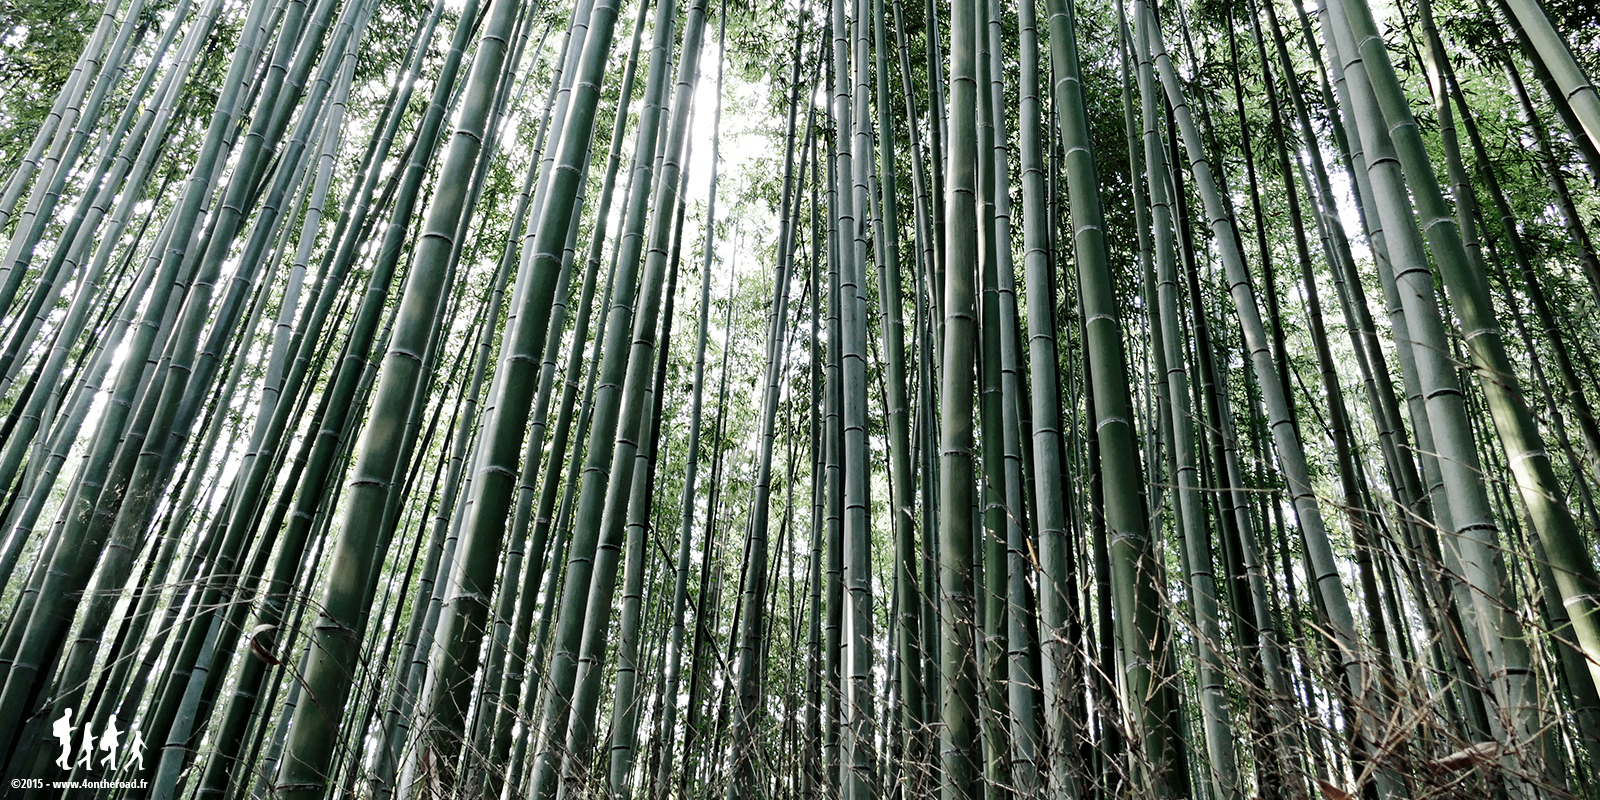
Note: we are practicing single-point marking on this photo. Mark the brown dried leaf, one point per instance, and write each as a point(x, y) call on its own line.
point(1331, 792)
point(262, 640)
point(1467, 757)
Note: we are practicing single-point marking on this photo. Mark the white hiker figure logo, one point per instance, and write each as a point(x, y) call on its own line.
point(62, 730)
point(110, 741)
point(136, 749)
point(86, 752)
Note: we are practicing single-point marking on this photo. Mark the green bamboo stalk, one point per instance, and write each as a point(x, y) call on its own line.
point(1060, 670)
point(308, 750)
point(69, 565)
point(610, 525)
point(64, 108)
point(687, 502)
point(1286, 440)
point(908, 637)
point(1553, 51)
point(850, 111)
point(958, 615)
point(101, 64)
point(598, 465)
point(1374, 90)
point(747, 714)
point(542, 517)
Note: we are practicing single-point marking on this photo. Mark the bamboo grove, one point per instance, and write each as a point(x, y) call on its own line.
point(831, 398)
